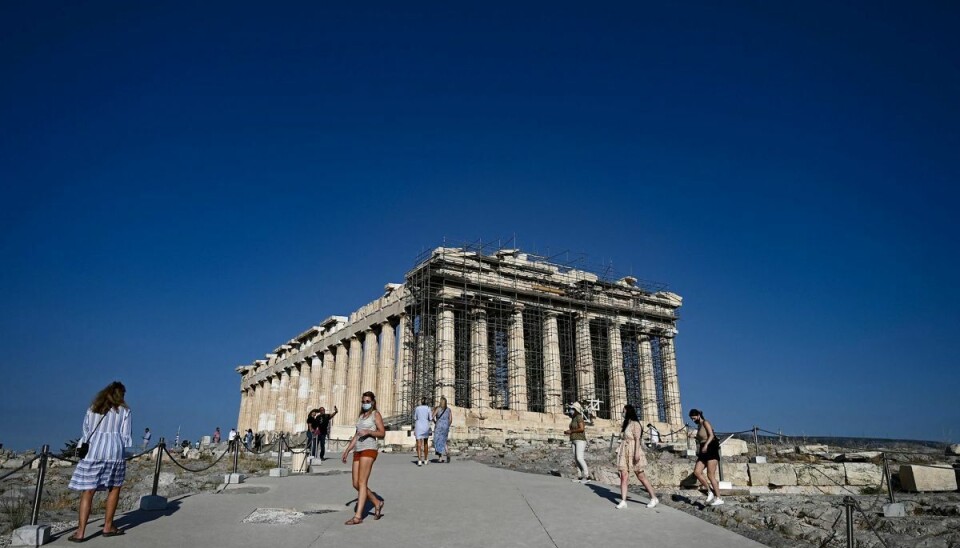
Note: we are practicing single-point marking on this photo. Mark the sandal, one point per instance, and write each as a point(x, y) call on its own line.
point(114, 533)
point(378, 510)
point(353, 521)
point(72, 538)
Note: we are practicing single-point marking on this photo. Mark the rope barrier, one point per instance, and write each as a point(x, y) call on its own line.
point(214, 463)
point(291, 448)
point(65, 459)
point(24, 465)
point(142, 453)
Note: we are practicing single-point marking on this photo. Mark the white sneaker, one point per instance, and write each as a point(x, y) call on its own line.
point(717, 502)
point(622, 505)
point(653, 502)
point(419, 463)
point(578, 480)
point(710, 497)
point(584, 481)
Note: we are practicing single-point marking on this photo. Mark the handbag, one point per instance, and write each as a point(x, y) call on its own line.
point(84, 446)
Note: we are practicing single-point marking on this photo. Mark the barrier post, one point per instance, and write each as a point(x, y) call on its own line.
point(720, 464)
point(757, 459)
point(849, 504)
point(236, 457)
point(280, 471)
point(892, 509)
point(153, 501)
point(35, 534)
point(756, 440)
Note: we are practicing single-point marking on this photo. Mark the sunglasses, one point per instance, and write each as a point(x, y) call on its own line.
point(366, 401)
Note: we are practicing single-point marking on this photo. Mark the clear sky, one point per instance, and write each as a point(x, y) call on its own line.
point(185, 187)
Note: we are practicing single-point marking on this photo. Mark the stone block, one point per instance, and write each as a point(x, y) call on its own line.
point(279, 472)
point(924, 479)
point(299, 464)
point(12, 463)
point(863, 474)
point(813, 449)
point(233, 478)
point(758, 459)
point(30, 535)
point(736, 473)
point(821, 474)
point(732, 447)
point(772, 474)
point(894, 510)
point(153, 503)
point(953, 449)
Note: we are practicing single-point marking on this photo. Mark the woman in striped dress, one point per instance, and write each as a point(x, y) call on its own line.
point(365, 450)
point(107, 429)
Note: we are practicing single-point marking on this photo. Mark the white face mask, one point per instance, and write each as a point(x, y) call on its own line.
point(366, 406)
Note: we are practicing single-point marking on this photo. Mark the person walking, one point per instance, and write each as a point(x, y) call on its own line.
point(441, 430)
point(578, 438)
point(365, 450)
point(321, 430)
point(708, 456)
point(146, 439)
point(107, 431)
point(654, 436)
point(232, 439)
point(216, 436)
point(422, 416)
point(248, 439)
point(630, 456)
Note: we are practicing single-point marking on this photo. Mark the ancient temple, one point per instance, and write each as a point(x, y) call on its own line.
point(508, 338)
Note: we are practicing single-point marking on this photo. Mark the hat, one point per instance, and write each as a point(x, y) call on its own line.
point(577, 407)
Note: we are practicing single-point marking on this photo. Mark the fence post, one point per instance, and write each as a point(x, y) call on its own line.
point(156, 469)
point(849, 504)
point(41, 475)
point(280, 445)
point(153, 501)
point(756, 441)
point(720, 464)
point(886, 477)
point(236, 457)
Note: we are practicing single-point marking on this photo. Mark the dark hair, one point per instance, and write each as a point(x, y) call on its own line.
point(109, 398)
point(696, 413)
point(370, 395)
point(423, 400)
point(629, 414)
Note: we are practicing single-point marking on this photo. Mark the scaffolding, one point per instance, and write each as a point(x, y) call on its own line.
point(492, 327)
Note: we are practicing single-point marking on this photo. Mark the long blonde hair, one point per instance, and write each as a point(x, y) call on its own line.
point(109, 398)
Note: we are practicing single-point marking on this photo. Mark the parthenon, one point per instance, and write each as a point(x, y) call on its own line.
point(508, 338)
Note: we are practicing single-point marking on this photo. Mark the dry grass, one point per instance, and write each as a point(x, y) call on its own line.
point(16, 509)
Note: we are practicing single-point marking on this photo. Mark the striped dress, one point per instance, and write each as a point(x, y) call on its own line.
point(103, 467)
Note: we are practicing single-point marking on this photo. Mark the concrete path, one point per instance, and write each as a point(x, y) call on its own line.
point(439, 505)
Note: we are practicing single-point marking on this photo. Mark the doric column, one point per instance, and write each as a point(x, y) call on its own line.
point(585, 379)
point(244, 404)
point(445, 354)
point(385, 377)
point(250, 420)
point(617, 380)
point(316, 378)
point(327, 382)
point(282, 401)
point(479, 361)
point(340, 383)
point(263, 400)
point(552, 381)
point(369, 373)
point(648, 388)
point(303, 396)
point(671, 388)
point(517, 361)
point(272, 402)
point(352, 400)
point(402, 392)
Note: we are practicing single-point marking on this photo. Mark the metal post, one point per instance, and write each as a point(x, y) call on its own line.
point(236, 456)
point(280, 443)
point(611, 441)
point(849, 504)
point(720, 464)
point(41, 475)
point(886, 477)
point(156, 469)
point(756, 440)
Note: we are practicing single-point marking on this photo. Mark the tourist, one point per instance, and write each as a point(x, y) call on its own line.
point(232, 439)
point(578, 438)
point(216, 435)
point(320, 430)
point(364, 446)
point(654, 436)
point(421, 430)
point(708, 455)
point(311, 429)
point(248, 439)
point(257, 442)
point(442, 419)
point(630, 456)
point(146, 439)
point(107, 431)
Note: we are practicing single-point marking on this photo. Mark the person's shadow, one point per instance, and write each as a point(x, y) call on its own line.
point(131, 519)
point(605, 492)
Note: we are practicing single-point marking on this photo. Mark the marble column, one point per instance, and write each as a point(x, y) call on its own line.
point(385, 377)
point(304, 390)
point(316, 378)
point(479, 361)
point(272, 403)
point(671, 388)
point(648, 388)
point(340, 383)
point(446, 354)
point(585, 377)
point(370, 352)
point(404, 380)
point(351, 405)
point(616, 379)
point(244, 405)
point(263, 400)
point(249, 420)
point(517, 361)
point(282, 403)
point(327, 382)
point(552, 380)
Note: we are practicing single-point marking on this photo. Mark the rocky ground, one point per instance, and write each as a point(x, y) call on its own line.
point(932, 519)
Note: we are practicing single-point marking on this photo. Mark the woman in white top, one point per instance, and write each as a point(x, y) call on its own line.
point(422, 417)
point(365, 450)
point(107, 431)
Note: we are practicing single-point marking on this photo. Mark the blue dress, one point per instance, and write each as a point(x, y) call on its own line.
point(441, 431)
point(103, 467)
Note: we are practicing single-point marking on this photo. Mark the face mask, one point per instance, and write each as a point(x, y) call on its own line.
point(623, 415)
point(366, 406)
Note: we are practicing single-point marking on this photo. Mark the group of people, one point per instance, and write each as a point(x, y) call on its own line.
point(441, 417)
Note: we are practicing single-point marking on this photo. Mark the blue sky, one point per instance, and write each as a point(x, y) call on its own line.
point(186, 187)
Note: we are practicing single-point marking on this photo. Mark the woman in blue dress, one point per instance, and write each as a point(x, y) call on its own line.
point(442, 419)
point(107, 431)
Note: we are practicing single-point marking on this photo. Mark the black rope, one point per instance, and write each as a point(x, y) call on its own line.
point(870, 525)
point(263, 449)
point(144, 452)
point(24, 465)
point(65, 459)
point(214, 463)
point(833, 528)
point(291, 448)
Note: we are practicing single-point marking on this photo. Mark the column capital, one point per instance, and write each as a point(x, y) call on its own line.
point(518, 307)
point(445, 306)
point(551, 314)
point(478, 311)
